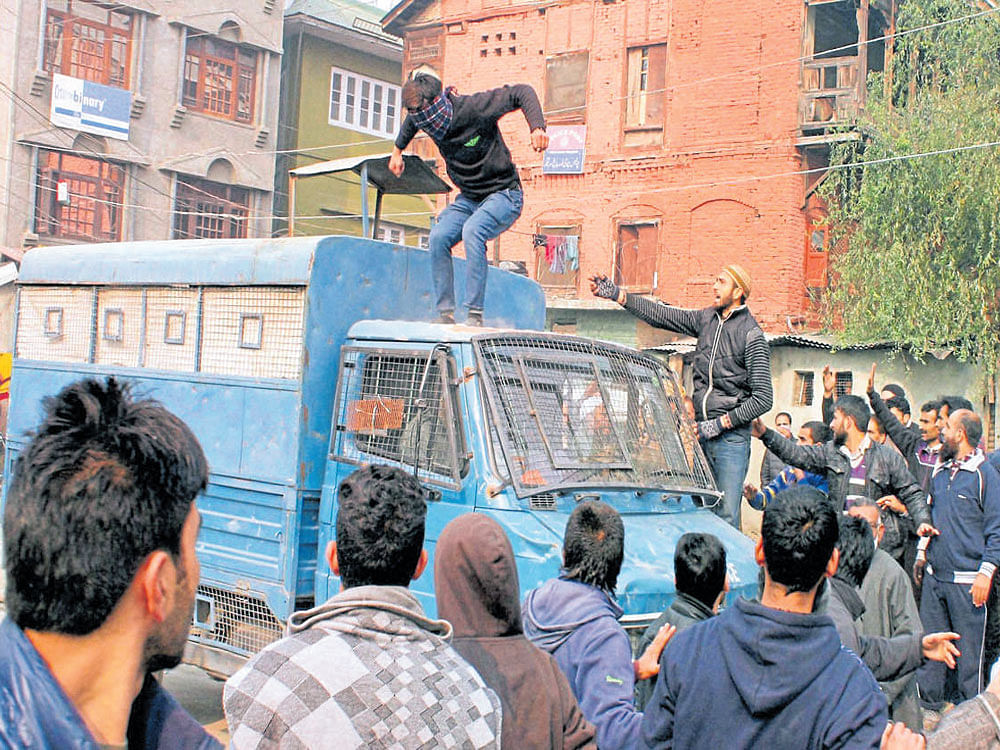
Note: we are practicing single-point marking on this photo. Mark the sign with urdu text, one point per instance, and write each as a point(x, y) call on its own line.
point(566, 149)
point(90, 107)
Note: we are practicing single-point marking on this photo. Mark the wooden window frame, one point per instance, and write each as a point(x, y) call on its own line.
point(62, 44)
point(555, 111)
point(95, 200)
point(198, 200)
point(619, 279)
point(563, 230)
point(197, 89)
point(641, 89)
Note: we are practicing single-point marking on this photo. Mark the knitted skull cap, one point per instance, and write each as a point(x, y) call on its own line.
point(739, 274)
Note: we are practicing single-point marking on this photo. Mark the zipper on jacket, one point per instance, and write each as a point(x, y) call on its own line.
point(711, 366)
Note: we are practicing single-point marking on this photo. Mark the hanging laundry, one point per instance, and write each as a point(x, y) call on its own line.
point(573, 252)
point(558, 262)
point(550, 247)
point(538, 240)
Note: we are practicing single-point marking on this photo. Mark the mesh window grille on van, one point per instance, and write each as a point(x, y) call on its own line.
point(398, 406)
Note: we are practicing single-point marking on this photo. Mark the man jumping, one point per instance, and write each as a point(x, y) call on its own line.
point(464, 128)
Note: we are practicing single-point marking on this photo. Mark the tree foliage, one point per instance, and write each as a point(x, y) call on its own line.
point(917, 240)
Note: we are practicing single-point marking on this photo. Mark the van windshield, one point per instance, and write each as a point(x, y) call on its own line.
point(570, 412)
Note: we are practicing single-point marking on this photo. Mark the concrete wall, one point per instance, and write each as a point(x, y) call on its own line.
point(165, 140)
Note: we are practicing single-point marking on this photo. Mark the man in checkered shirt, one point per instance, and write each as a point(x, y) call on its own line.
point(367, 669)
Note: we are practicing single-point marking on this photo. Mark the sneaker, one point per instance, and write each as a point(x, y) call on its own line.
point(447, 318)
point(475, 318)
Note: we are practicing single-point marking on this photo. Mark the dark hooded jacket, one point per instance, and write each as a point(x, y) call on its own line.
point(475, 582)
point(753, 676)
point(578, 624)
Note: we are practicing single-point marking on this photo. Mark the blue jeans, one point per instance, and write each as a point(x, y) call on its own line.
point(475, 223)
point(729, 457)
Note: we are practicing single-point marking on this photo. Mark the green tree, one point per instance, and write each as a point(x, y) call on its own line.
point(916, 239)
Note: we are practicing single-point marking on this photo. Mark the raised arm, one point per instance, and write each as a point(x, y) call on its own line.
point(898, 433)
point(811, 458)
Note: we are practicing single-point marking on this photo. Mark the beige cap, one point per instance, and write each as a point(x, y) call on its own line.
point(738, 274)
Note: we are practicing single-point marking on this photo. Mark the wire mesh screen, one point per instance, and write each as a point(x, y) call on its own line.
point(55, 323)
point(253, 331)
point(240, 621)
point(397, 405)
point(573, 412)
point(171, 329)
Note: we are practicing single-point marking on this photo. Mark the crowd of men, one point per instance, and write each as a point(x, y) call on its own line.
point(100, 529)
point(865, 514)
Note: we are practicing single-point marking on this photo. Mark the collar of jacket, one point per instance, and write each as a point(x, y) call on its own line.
point(848, 596)
point(972, 462)
point(688, 606)
point(732, 313)
point(863, 446)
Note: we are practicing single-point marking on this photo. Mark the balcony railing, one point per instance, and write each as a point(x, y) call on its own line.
point(829, 96)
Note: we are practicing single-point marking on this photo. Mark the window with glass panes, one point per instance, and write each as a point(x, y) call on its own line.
point(210, 210)
point(92, 206)
point(220, 78)
point(88, 40)
point(363, 104)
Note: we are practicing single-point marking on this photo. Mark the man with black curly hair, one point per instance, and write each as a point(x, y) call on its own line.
point(99, 532)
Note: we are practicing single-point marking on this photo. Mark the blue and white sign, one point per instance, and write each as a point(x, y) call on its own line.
point(566, 150)
point(90, 107)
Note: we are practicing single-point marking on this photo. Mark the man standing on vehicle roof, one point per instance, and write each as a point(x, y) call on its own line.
point(732, 371)
point(464, 128)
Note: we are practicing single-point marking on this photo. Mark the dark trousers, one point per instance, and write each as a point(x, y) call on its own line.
point(948, 607)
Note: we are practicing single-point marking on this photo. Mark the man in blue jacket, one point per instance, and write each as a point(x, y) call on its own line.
point(99, 532)
point(773, 673)
point(575, 618)
point(962, 559)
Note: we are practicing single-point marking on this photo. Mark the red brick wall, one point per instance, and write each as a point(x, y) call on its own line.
point(731, 116)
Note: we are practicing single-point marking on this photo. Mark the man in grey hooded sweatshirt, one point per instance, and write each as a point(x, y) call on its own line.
point(367, 669)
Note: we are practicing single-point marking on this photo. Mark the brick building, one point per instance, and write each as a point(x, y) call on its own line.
point(700, 120)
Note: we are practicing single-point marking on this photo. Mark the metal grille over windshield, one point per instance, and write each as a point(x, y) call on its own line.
point(571, 412)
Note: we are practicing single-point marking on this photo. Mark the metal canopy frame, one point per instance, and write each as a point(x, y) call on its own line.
point(418, 178)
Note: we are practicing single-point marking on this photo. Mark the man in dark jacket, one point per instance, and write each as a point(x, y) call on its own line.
point(773, 673)
point(920, 450)
point(732, 372)
point(99, 531)
point(701, 582)
point(575, 618)
point(465, 130)
point(475, 584)
point(854, 465)
point(887, 658)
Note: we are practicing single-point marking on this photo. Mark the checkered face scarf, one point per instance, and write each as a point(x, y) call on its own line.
point(435, 118)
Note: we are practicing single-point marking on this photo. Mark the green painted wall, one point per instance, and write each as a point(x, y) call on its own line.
point(341, 193)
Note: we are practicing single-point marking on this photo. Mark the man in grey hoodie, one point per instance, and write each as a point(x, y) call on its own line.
point(367, 668)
